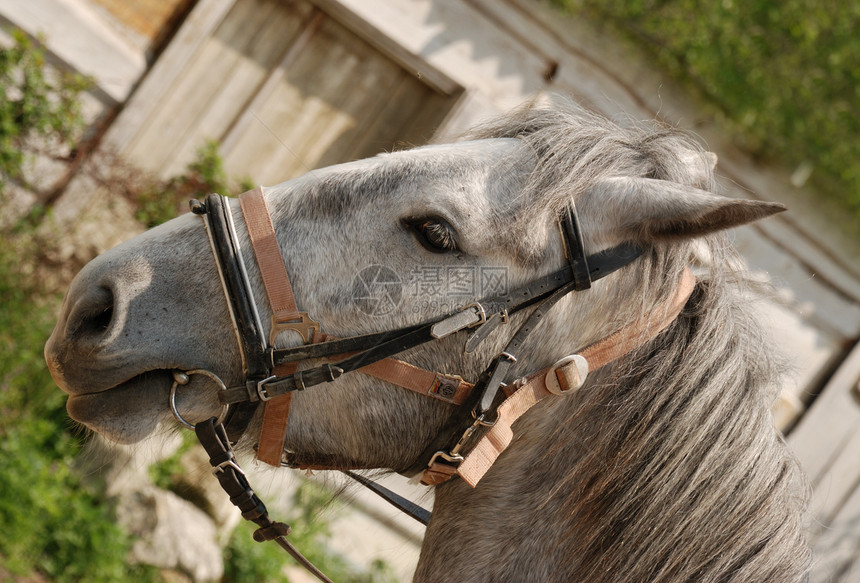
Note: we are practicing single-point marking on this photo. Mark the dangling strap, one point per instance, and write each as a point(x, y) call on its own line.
point(232, 479)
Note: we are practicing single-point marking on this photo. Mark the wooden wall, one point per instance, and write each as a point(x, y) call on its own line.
point(284, 89)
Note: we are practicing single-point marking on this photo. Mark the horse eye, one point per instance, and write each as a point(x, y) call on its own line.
point(434, 234)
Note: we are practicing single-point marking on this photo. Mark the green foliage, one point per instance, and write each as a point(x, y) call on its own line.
point(159, 202)
point(247, 561)
point(783, 76)
point(32, 105)
point(52, 524)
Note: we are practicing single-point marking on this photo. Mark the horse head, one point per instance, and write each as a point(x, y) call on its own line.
point(409, 238)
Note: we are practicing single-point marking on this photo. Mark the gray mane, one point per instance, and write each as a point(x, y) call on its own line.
point(673, 453)
point(666, 465)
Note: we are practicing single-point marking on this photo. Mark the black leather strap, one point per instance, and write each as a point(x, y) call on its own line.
point(253, 341)
point(572, 237)
point(408, 507)
point(232, 479)
point(603, 264)
point(498, 370)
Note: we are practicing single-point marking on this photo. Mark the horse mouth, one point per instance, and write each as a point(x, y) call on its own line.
point(127, 412)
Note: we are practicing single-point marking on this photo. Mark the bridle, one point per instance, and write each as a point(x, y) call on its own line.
point(481, 427)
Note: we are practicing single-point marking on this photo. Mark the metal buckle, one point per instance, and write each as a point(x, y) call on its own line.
point(303, 326)
point(229, 463)
point(261, 388)
point(481, 313)
point(453, 459)
point(481, 420)
point(462, 320)
point(453, 456)
point(551, 380)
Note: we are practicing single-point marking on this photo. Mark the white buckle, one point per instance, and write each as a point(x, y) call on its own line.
point(228, 464)
point(551, 380)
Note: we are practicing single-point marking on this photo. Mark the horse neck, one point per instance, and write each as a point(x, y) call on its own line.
point(501, 530)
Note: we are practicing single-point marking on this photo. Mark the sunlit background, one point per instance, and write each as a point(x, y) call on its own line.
point(113, 113)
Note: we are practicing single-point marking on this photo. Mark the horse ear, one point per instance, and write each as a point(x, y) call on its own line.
point(700, 165)
point(650, 210)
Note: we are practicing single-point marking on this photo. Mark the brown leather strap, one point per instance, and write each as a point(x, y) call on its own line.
point(438, 473)
point(273, 270)
point(534, 389)
point(445, 387)
point(276, 416)
point(449, 388)
point(635, 335)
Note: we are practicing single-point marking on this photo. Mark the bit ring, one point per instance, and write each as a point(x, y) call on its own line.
point(183, 378)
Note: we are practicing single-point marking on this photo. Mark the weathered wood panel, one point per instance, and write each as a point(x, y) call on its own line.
point(831, 421)
point(837, 546)
point(285, 89)
point(224, 60)
point(333, 100)
point(146, 100)
point(827, 442)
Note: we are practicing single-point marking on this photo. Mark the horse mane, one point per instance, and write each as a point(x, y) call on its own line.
point(673, 470)
point(677, 472)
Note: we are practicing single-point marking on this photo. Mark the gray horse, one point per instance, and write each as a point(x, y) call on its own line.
point(663, 466)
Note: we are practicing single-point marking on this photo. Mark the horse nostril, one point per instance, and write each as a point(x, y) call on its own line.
point(92, 314)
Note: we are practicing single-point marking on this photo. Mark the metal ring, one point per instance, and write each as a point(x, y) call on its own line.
point(178, 380)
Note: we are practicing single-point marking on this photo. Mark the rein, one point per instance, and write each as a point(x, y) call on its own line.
point(271, 374)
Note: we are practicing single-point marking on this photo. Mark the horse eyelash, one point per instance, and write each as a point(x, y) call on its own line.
point(434, 234)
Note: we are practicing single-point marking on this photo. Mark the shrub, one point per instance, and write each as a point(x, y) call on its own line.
point(783, 77)
point(52, 524)
point(34, 107)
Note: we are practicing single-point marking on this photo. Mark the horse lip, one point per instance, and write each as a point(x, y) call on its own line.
point(74, 376)
point(89, 390)
point(107, 411)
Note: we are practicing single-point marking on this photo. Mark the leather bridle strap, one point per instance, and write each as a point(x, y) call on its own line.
point(562, 378)
point(285, 316)
point(213, 438)
point(600, 264)
point(221, 233)
point(388, 344)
